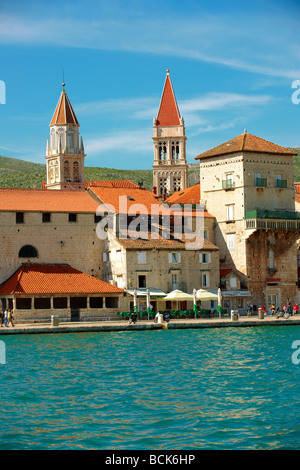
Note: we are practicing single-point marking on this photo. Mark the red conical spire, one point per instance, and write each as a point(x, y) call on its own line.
point(168, 114)
point(64, 113)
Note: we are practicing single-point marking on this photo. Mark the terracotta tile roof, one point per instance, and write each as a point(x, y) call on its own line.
point(110, 184)
point(64, 113)
point(24, 200)
point(129, 197)
point(245, 143)
point(168, 113)
point(54, 279)
point(186, 196)
point(224, 272)
point(162, 244)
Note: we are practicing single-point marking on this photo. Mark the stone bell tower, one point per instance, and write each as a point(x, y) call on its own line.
point(65, 152)
point(170, 170)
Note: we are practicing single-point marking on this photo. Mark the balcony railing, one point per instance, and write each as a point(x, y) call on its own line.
point(227, 184)
point(261, 182)
point(281, 183)
point(266, 219)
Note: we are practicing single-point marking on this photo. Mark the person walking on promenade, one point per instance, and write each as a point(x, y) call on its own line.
point(5, 317)
point(295, 309)
point(2, 316)
point(10, 318)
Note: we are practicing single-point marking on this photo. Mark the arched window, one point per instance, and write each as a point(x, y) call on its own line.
point(66, 171)
point(52, 139)
point(76, 171)
point(62, 137)
point(162, 151)
point(28, 251)
point(71, 139)
point(175, 151)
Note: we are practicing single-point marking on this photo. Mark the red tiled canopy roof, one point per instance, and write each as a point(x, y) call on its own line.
point(168, 114)
point(64, 113)
point(246, 143)
point(41, 278)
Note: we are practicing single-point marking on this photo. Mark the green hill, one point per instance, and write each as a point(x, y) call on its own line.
point(16, 173)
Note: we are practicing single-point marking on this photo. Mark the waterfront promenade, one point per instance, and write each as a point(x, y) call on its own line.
point(104, 326)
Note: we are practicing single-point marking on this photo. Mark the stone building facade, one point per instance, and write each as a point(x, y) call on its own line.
point(248, 185)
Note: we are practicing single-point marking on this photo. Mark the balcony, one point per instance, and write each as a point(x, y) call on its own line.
point(266, 219)
point(281, 184)
point(227, 184)
point(261, 182)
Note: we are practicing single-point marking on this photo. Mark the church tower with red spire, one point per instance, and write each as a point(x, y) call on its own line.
point(65, 153)
point(170, 170)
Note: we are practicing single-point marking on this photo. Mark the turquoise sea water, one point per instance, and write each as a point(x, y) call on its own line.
point(233, 388)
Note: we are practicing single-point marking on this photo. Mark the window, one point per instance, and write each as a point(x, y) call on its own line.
point(142, 280)
point(230, 241)
point(120, 282)
point(60, 302)
point(280, 183)
point(23, 303)
point(28, 251)
point(76, 172)
point(46, 217)
point(66, 171)
point(175, 281)
point(96, 302)
point(71, 139)
point(72, 217)
point(19, 217)
point(204, 258)
point(119, 256)
point(174, 258)
point(112, 302)
point(229, 179)
point(163, 185)
point(205, 280)
point(230, 213)
point(162, 151)
point(271, 259)
point(233, 282)
point(42, 303)
point(97, 218)
point(141, 257)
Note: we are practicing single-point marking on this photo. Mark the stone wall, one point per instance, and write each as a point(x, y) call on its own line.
point(58, 241)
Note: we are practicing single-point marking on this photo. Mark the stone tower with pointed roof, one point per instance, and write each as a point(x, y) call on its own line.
point(247, 183)
point(170, 170)
point(65, 152)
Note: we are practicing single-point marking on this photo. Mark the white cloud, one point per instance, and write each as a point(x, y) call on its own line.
point(264, 44)
point(123, 142)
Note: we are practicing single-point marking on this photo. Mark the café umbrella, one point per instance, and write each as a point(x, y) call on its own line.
point(203, 294)
point(178, 295)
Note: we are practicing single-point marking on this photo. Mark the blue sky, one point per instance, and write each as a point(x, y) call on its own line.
point(232, 66)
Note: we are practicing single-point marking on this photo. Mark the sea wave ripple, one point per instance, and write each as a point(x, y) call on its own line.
point(233, 388)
